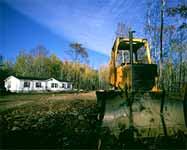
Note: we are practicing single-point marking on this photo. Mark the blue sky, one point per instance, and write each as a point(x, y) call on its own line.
point(24, 24)
point(90, 22)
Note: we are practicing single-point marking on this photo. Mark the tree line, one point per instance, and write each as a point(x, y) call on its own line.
point(39, 63)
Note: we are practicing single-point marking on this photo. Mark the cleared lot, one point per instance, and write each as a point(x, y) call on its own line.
point(11, 101)
point(48, 120)
point(65, 121)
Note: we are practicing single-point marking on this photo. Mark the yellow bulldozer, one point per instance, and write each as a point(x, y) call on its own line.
point(134, 106)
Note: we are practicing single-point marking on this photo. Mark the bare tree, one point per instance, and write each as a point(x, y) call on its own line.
point(122, 30)
point(77, 54)
point(161, 37)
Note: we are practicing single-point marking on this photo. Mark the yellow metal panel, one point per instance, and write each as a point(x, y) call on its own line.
point(115, 59)
point(116, 73)
point(148, 52)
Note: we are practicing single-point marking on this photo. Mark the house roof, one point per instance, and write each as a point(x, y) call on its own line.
point(30, 78)
point(37, 78)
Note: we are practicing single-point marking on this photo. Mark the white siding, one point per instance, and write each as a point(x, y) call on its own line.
point(70, 86)
point(25, 89)
point(54, 87)
point(64, 85)
point(67, 86)
point(14, 84)
point(32, 86)
point(43, 85)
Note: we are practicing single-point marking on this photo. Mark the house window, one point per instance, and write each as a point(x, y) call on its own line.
point(52, 85)
point(68, 85)
point(56, 85)
point(26, 84)
point(63, 85)
point(9, 85)
point(38, 84)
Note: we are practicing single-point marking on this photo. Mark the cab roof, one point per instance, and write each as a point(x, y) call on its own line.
point(124, 43)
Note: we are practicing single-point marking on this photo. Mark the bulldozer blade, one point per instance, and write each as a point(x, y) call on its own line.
point(149, 114)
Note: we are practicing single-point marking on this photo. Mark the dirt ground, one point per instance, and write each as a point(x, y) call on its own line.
point(48, 120)
point(12, 101)
point(59, 120)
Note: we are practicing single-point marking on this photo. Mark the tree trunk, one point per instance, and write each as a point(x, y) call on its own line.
point(161, 37)
point(180, 59)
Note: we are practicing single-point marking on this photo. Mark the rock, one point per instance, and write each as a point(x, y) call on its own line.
point(16, 123)
point(50, 113)
point(76, 130)
point(8, 118)
point(81, 117)
point(65, 141)
point(34, 126)
point(17, 116)
point(15, 128)
point(41, 120)
point(75, 113)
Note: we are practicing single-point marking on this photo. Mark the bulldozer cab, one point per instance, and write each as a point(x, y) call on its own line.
point(131, 66)
point(140, 50)
point(139, 53)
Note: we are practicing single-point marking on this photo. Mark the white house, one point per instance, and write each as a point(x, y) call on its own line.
point(57, 85)
point(29, 84)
